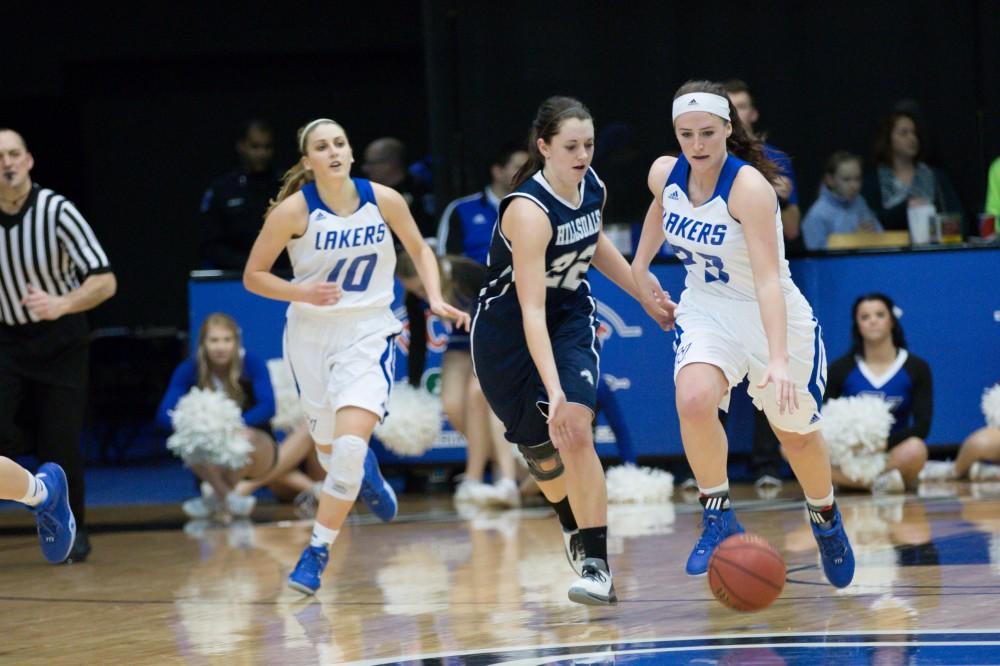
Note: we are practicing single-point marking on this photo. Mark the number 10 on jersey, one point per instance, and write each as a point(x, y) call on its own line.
point(359, 273)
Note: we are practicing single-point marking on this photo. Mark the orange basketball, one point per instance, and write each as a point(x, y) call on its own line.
point(746, 573)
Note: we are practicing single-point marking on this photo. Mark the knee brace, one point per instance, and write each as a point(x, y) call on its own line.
point(536, 454)
point(347, 467)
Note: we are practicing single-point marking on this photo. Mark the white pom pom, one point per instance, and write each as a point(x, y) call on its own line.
point(991, 406)
point(207, 430)
point(856, 429)
point(629, 521)
point(413, 423)
point(288, 412)
point(630, 484)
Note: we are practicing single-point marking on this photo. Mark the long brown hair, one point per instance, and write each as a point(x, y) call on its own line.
point(231, 377)
point(739, 143)
point(882, 148)
point(548, 121)
point(297, 175)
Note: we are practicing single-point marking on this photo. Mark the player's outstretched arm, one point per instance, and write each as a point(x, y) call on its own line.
point(754, 202)
point(651, 296)
point(397, 214)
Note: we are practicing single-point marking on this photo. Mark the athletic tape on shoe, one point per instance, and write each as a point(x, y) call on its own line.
point(347, 467)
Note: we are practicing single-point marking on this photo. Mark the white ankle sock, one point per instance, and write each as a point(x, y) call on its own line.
point(715, 490)
point(322, 537)
point(820, 503)
point(37, 492)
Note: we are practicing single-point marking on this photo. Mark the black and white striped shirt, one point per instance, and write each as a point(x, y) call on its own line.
point(48, 245)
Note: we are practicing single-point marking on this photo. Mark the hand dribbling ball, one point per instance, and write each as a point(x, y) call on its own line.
point(746, 573)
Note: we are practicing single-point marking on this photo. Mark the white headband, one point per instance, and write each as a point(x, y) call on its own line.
point(308, 128)
point(702, 101)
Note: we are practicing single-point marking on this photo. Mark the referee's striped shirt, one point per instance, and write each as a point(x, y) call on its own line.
point(47, 245)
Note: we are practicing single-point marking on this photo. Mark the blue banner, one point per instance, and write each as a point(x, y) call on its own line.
point(951, 317)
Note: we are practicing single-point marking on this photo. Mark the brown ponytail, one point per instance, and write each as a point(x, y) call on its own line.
point(297, 175)
point(740, 143)
point(548, 122)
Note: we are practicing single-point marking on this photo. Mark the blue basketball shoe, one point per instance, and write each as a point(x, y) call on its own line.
point(376, 492)
point(836, 551)
point(717, 525)
point(305, 577)
point(56, 524)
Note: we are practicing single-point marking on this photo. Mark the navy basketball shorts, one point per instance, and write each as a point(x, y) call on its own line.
point(508, 376)
point(458, 340)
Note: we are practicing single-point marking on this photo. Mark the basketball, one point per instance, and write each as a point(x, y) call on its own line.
point(746, 573)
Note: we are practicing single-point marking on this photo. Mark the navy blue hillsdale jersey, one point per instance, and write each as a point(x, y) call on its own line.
point(575, 230)
point(502, 362)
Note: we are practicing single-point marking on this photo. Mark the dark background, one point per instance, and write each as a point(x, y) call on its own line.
point(131, 110)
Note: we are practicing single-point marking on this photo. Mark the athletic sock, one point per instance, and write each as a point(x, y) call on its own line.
point(822, 511)
point(595, 542)
point(37, 492)
point(565, 513)
point(322, 537)
point(716, 497)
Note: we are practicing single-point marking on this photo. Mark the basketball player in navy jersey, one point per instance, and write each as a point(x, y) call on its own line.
point(880, 364)
point(740, 314)
point(534, 342)
point(339, 339)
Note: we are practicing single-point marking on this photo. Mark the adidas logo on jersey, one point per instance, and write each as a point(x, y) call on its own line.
point(320, 215)
point(815, 418)
point(673, 195)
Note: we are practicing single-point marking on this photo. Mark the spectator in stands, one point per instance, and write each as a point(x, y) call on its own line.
point(232, 208)
point(839, 209)
point(221, 364)
point(461, 396)
point(880, 364)
point(901, 178)
point(993, 190)
point(385, 163)
point(788, 193)
point(466, 226)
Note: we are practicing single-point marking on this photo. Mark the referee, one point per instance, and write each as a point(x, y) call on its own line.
point(52, 270)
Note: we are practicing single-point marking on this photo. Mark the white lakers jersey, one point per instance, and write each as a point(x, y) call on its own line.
point(709, 241)
point(355, 252)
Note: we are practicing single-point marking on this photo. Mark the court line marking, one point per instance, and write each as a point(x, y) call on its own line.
point(675, 639)
point(548, 659)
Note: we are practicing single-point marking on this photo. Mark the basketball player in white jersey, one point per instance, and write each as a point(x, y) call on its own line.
point(339, 338)
point(740, 314)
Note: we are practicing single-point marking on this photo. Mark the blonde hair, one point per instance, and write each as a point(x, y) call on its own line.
point(297, 176)
point(231, 377)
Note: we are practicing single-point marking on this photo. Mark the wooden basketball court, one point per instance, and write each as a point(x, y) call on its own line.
point(436, 587)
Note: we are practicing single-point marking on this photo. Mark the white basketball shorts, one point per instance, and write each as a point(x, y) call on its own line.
point(729, 334)
point(341, 360)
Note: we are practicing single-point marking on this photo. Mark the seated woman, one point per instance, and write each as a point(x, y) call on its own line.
point(901, 179)
point(840, 209)
point(461, 396)
point(976, 458)
point(879, 364)
point(220, 364)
